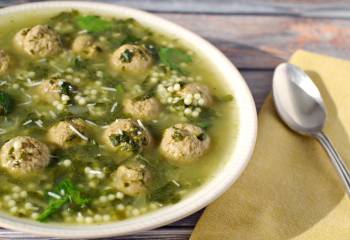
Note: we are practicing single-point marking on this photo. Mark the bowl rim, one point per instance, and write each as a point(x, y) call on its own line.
point(215, 187)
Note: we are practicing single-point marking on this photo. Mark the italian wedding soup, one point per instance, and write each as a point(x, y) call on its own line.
point(102, 119)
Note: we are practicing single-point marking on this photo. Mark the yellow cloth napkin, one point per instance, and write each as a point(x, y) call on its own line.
point(290, 189)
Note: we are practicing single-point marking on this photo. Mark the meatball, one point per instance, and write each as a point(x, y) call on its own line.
point(184, 143)
point(4, 61)
point(127, 136)
point(145, 109)
point(85, 46)
point(131, 179)
point(38, 41)
point(53, 89)
point(67, 133)
point(23, 155)
point(131, 59)
point(49, 90)
point(197, 88)
point(20, 36)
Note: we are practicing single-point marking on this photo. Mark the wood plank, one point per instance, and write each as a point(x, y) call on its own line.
point(157, 234)
point(261, 42)
point(189, 221)
point(259, 83)
point(306, 8)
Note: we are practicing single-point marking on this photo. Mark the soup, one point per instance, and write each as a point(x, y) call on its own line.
point(103, 119)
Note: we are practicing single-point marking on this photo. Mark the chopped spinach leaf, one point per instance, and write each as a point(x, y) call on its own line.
point(41, 70)
point(93, 23)
point(172, 57)
point(79, 63)
point(147, 162)
point(206, 118)
point(67, 88)
point(65, 17)
point(130, 141)
point(120, 89)
point(226, 98)
point(166, 194)
point(6, 103)
point(128, 38)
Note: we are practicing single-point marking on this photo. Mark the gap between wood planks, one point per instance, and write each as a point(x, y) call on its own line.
point(178, 233)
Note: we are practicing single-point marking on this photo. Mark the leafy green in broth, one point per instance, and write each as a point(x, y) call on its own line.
point(99, 170)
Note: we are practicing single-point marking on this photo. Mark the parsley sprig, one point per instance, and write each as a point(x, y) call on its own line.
point(64, 193)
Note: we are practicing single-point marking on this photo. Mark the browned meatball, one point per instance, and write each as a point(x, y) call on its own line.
point(131, 179)
point(184, 143)
point(145, 109)
point(50, 90)
point(38, 41)
point(126, 135)
point(85, 46)
point(67, 133)
point(53, 89)
point(192, 89)
point(131, 59)
point(4, 61)
point(22, 155)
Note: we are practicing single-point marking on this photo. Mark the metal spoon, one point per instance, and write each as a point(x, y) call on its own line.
point(300, 105)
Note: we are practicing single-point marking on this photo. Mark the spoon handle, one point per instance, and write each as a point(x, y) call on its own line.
point(336, 160)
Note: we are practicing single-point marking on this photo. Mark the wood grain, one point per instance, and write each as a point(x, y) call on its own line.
point(156, 234)
point(261, 42)
point(306, 8)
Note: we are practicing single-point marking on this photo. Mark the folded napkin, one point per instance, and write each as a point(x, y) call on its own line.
point(290, 189)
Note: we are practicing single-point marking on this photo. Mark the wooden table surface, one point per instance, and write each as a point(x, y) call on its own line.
point(255, 35)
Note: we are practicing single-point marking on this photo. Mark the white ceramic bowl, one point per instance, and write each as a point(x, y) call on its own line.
point(225, 176)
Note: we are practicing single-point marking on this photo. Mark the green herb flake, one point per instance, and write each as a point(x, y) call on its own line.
point(67, 88)
point(129, 141)
point(172, 57)
point(126, 56)
point(177, 135)
point(93, 23)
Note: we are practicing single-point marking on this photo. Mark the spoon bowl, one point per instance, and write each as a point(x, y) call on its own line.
point(297, 99)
